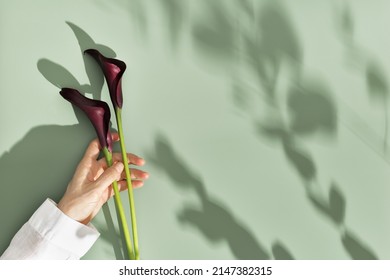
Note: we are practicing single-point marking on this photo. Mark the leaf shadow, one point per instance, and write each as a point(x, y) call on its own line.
point(311, 110)
point(356, 248)
point(280, 252)
point(214, 35)
point(176, 12)
point(378, 90)
point(212, 218)
point(270, 46)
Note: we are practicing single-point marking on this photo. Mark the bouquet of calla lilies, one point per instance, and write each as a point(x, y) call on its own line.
point(99, 114)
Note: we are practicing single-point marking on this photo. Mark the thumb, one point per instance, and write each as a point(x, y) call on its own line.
point(110, 175)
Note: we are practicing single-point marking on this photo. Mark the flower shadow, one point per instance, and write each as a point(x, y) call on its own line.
point(37, 167)
point(44, 160)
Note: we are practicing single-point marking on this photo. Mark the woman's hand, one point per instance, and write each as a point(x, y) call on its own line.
point(91, 187)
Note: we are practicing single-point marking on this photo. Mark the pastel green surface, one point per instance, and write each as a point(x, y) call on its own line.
point(264, 124)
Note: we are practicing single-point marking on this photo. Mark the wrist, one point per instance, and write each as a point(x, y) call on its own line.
point(66, 208)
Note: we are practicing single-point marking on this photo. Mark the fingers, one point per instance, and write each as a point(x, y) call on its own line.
point(94, 147)
point(131, 159)
point(139, 174)
point(110, 175)
point(135, 183)
point(122, 186)
point(136, 174)
point(115, 137)
point(93, 150)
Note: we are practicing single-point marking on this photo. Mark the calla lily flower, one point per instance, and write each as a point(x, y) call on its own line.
point(99, 114)
point(113, 70)
point(97, 111)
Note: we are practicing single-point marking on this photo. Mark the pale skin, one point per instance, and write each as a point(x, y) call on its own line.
point(91, 187)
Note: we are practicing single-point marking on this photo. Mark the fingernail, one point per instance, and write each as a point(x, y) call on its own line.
point(119, 166)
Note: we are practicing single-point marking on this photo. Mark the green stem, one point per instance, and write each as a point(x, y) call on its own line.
point(119, 207)
point(118, 114)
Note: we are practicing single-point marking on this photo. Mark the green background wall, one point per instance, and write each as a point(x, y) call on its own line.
point(264, 124)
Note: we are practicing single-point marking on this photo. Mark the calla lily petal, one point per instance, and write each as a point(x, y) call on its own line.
point(97, 111)
point(113, 70)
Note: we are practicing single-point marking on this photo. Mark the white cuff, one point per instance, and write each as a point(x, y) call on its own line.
point(64, 232)
point(50, 234)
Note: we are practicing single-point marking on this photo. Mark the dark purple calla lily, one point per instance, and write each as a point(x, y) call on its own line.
point(97, 111)
point(113, 70)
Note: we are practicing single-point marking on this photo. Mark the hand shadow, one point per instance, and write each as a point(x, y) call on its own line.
point(42, 163)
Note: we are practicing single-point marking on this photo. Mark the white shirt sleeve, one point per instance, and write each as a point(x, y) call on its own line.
point(51, 235)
